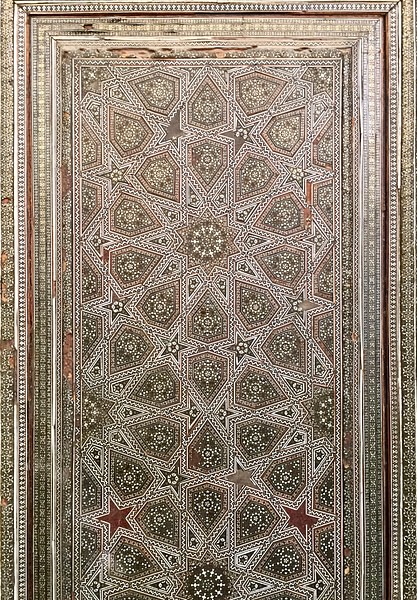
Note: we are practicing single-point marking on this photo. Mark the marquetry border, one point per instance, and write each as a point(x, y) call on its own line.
point(17, 327)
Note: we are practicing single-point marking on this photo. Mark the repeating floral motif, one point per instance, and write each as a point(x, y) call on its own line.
point(209, 386)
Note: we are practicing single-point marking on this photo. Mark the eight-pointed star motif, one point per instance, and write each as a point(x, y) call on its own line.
point(208, 242)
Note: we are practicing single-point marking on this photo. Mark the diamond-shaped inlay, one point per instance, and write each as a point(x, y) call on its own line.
point(285, 133)
point(161, 305)
point(256, 388)
point(285, 560)
point(160, 520)
point(131, 266)
point(255, 175)
point(255, 306)
point(160, 175)
point(129, 560)
point(158, 437)
point(207, 504)
point(208, 373)
point(255, 519)
point(287, 476)
point(207, 453)
point(129, 477)
point(158, 387)
point(129, 347)
point(284, 265)
point(283, 215)
point(159, 92)
point(129, 133)
point(131, 216)
point(207, 107)
point(257, 92)
point(256, 438)
point(208, 321)
point(208, 160)
point(286, 347)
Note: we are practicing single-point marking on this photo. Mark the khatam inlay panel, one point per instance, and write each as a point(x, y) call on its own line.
point(208, 387)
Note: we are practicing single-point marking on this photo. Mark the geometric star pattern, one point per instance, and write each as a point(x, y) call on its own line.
point(209, 389)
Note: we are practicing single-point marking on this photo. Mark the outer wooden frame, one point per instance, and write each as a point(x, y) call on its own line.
point(17, 327)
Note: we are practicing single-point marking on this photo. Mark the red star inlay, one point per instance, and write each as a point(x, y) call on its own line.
point(116, 517)
point(300, 519)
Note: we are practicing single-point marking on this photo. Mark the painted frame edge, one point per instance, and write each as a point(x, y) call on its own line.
point(406, 274)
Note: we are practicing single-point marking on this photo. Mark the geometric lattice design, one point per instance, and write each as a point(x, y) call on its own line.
point(158, 437)
point(255, 519)
point(208, 373)
point(131, 266)
point(256, 388)
point(158, 387)
point(285, 133)
point(284, 265)
point(129, 477)
point(159, 175)
point(208, 321)
point(207, 505)
point(207, 108)
point(160, 520)
point(287, 476)
point(129, 561)
point(130, 216)
point(207, 249)
point(158, 92)
point(208, 242)
point(208, 160)
point(129, 134)
point(256, 438)
point(285, 560)
point(128, 348)
point(254, 306)
point(255, 176)
point(285, 347)
point(283, 215)
point(160, 305)
point(207, 452)
point(256, 92)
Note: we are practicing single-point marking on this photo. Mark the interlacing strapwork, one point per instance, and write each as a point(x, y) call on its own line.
point(209, 392)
